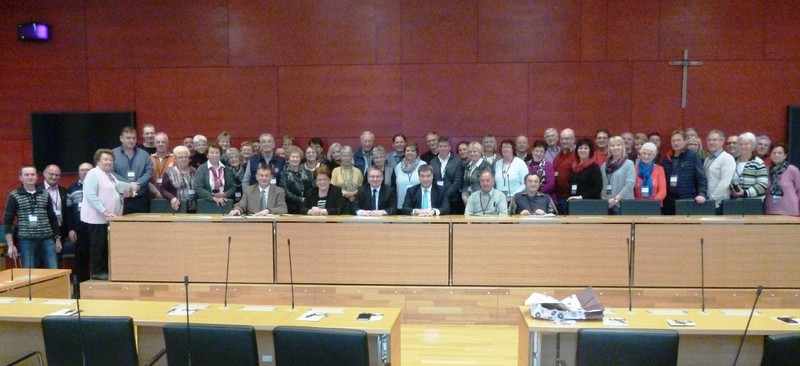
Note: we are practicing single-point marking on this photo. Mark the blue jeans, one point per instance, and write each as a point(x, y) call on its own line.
point(35, 250)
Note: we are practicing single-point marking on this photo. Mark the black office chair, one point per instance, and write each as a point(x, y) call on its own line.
point(781, 350)
point(640, 207)
point(307, 346)
point(211, 345)
point(160, 205)
point(210, 207)
point(101, 340)
point(688, 207)
point(623, 347)
point(743, 206)
point(587, 207)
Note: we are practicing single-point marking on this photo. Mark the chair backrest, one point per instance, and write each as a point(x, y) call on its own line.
point(160, 205)
point(210, 207)
point(211, 345)
point(743, 206)
point(103, 340)
point(622, 347)
point(783, 349)
point(587, 207)
point(307, 346)
point(688, 207)
point(640, 207)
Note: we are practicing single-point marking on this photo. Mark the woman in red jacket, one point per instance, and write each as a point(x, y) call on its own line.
point(651, 183)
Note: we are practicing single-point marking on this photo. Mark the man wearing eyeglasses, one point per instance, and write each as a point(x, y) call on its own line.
point(58, 197)
point(732, 146)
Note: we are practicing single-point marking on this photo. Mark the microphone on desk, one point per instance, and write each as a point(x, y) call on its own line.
point(30, 289)
point(76, 285)
point(291, 274)
point(744, 335)
point(630, 277)
point(227, 271)
point(188, 335)
point(702, 275)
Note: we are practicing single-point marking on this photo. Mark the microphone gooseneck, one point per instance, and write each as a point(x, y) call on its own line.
point(80, 324)
point(227, 271)
point(291, 274)
point(188, 334)
point(744, 335)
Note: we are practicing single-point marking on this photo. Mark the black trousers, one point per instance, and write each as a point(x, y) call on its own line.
point(80, 266)
point(98, 248)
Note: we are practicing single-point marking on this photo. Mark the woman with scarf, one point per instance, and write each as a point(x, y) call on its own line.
point(295, 180)
point(405, 173)
point(345, 175)
point(585, 179)
point(475, 166)
point(543, 168)
point(177, 183)
point(619, 175)
point(783, 189)
point(234, 159)
point(651, 183)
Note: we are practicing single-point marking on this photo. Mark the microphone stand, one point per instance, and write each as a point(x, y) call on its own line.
point(80, 324)
point(188, 334)
point(227, 272)
point(291, 275)
point(744, 335)
point(703, 275)
point(30, 288)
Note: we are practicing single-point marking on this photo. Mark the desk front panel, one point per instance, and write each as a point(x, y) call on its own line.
point(526, 253)
point(167, 251)
point(735, 255)
point(365, 252)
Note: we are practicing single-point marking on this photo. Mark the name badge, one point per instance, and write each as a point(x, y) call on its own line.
point(776, 199)
point(80, 205)
point(238, 194)
point(131, 175)
point(574, 189)
point(673, 181)
point(645, 192)
point(58, 212)
point(273, 181)
point(191, 192)
point(608, 189)
point(555, 174)
point(440, 183)
point(159, 180)
point(32, 218)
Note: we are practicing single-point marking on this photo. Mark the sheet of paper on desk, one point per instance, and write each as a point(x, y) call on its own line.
point(191, 306)
point(667, 312)
point(181, 312)
point(615, 322)
point(538, 216)
point(59, 302)
point(6, 300)
point(258, 308)
point(64, 312)
point(680, 323)
point(738, 312)
point(328, 310)
point(312, 316)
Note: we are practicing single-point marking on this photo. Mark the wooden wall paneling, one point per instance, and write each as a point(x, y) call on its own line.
point(656, 102)
point(583, 96)
point(633, 30)
point(241, 100)
point(112, 90)
point(744, 95)
point(340, 101)
point(132, 33)
point(782, 31)
point(529, 31)
point(307, 32)
point(440, 32)
point(66, 48)
point(471, 99)
point(594, 30)
point(718, 29)
point(388, 36)
point(455, 305)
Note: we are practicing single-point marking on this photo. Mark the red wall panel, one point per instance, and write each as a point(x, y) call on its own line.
point(339, 101)
point(112, 89)
point(388, 37)
point(528, 31)
point(594, 30)
point(782, 30)
point(207, 101)
point(132, 33)
point(633, 30)
point(289, 32)
point(440, 31)
point(465, 100)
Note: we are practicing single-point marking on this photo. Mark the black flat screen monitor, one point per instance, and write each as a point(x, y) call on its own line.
point(68, 139)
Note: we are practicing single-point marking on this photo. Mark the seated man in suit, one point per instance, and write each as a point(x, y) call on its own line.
point(375, 198)
point(487, 201)
point(262, 198)
point(425, 198)
point(531, 201)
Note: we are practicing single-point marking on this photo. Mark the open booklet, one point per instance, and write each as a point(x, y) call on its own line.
point(581, 305)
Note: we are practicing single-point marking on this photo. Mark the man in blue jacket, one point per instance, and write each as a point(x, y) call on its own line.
point(686, 178)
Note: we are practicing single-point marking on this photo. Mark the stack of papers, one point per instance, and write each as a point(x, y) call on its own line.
point(680, 323)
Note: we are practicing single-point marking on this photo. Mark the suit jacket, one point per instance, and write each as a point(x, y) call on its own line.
point(413, 199)
point(66, 213)
point(335, 203)
point(453, 177)
point(471, 183)
point(202, 187)
point(387, 200)
point(251, 200)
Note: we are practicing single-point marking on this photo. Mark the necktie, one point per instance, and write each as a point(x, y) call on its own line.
point(217, 178)
point(425, 204)
point(374, 199)
point(263, 200)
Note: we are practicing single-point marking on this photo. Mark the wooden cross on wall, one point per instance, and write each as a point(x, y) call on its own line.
point(685, 63)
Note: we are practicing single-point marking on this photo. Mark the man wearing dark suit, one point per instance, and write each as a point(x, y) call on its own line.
point(425, 198)
point(262, 198)
point(58, 196)
point(214, 181)
point(375, 198)
point(448, 174)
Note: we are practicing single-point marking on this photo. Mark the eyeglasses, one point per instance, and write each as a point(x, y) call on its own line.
point(731, 142)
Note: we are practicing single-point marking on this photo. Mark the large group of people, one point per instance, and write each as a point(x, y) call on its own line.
point(260, 178)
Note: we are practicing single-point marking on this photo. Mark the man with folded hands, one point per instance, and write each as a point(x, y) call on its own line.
point(263, 198)
point(425, 198)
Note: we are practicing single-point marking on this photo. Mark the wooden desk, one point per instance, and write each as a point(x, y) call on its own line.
point(398, 250)
point(163, 247)
point(52, 283)
point(20, 327)
point(513, 251)
point(713, 341)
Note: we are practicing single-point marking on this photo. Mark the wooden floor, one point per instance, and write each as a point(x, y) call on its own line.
point(437, 344)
